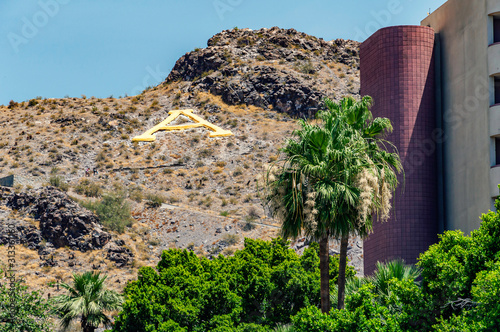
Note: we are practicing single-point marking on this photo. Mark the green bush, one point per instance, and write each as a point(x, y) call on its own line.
point(231, 239)
point(136, 194)
point(155, 200)
point(306, 67)
point(113, 211)
point(88, 188)
point(311, 319)
point(58, 182)
point(248, 225)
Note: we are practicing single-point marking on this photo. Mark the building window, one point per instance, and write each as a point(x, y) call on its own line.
point(497, 90)
point(496, 29)
point(497, 150)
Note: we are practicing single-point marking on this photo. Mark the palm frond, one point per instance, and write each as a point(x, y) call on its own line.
point(87, 299)
point(328, 158)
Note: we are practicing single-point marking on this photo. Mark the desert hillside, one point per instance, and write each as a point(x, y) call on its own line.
point(185, 189)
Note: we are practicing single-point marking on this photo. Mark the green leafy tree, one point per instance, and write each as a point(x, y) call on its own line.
point(444, 269)
point(486, 293)
point(460, 323)
point(87, 300)
point(459, 290)
point(402, 307)
point(334, 176)
point(23, 311)
point(461, 276)
point(409, 305)
point(257, 289)
point(452, 267)
point(362, 313)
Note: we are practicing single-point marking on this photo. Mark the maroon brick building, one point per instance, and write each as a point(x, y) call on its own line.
point(397, 70)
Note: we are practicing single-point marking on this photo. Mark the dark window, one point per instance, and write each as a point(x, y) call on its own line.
point(496, 29)
point(497, 90)
point(497, 150)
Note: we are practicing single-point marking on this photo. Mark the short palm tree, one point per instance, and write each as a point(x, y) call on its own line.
point(88, 299)
point(333, 177)
point(284, 328)
point(396, 269)
point(385, 272)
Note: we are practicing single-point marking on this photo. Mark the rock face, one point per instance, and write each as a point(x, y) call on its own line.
point(119, 254)
point(23, 233)
point(285, 70)
point(62, 221)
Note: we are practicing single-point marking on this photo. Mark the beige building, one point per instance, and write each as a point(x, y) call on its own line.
point(467, 60)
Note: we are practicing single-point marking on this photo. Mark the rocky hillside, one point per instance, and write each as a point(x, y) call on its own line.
point(254, 83)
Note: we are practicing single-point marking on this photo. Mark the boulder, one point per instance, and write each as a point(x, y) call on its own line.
point(119, 254)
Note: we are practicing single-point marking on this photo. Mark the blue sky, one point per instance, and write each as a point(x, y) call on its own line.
point(57, 48)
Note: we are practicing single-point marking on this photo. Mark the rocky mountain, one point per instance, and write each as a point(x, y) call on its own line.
point(185, 190)
point(284, 70)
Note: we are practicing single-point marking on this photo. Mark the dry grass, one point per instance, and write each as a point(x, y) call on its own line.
point(28, 262)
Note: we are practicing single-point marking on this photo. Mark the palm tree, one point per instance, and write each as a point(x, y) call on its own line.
point(385, 272)
point(87, 300)
point(396, 269)
point(333, 177)
point(284, 328)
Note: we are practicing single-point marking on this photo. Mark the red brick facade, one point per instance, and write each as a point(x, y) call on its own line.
point(397, 70)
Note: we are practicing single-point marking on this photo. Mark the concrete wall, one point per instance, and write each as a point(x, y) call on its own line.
point(397, 70)
point(464, 31)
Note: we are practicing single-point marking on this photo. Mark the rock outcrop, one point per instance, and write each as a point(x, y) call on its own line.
point(19, 232)
point(118, 253)
point(285, 70)
point(62, 221)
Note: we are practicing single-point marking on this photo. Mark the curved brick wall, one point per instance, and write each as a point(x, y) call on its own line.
point(397, 70)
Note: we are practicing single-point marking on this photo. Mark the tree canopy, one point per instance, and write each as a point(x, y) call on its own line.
point(459, 290)
point(22, 310)
point(258, 288)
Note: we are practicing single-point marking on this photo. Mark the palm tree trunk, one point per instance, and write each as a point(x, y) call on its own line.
point(86, 327)
point(324, 265)
point(342, 268)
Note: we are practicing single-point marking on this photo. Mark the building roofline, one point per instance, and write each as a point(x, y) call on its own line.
point(437, 10)
point(392, 27)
